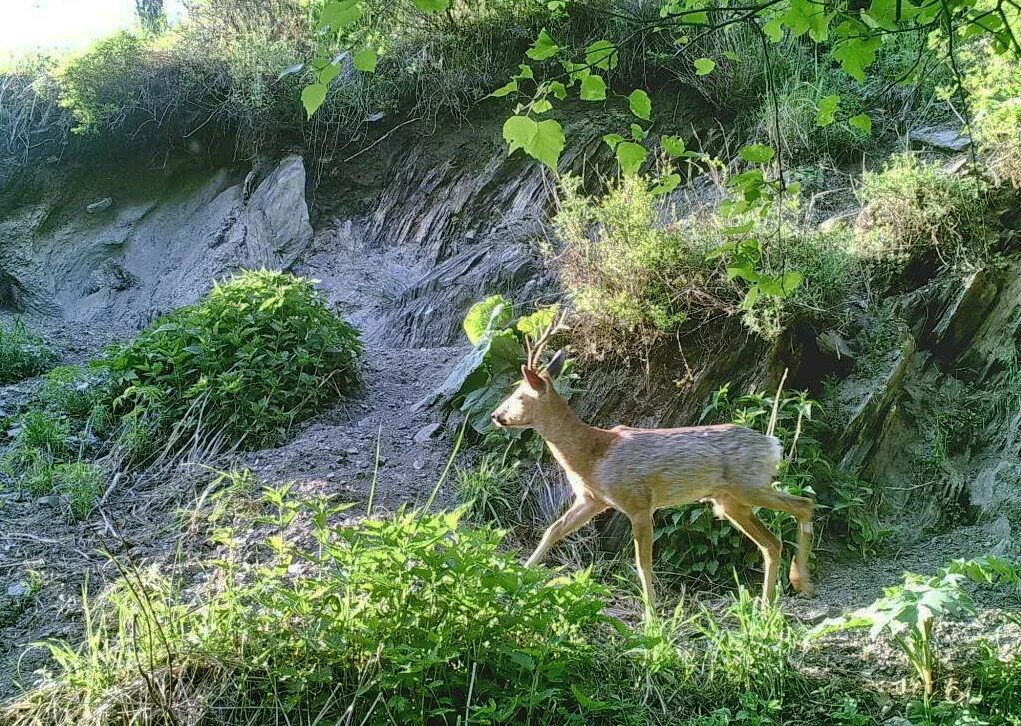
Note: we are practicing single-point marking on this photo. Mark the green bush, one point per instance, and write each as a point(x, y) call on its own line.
point(22, 353)
point(100, 86)
point(637, 279)
point(408, 620)
point(915, 210)
point(260, 353)
point(993, 84)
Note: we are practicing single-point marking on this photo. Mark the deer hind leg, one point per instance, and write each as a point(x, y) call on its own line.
point(802, 509)
point(580, 512)
point(641, 525)
point(741, 516)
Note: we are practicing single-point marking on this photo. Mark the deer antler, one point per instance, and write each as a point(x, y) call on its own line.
point(534, 352)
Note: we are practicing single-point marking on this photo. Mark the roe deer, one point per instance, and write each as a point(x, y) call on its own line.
point(638, 471)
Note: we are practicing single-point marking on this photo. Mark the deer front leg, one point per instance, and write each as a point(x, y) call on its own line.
point(641, 526)
point(580, 512)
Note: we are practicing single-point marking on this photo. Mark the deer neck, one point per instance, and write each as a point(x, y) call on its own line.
point(573, 443)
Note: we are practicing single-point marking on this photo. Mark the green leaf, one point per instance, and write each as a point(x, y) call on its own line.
point(493, 313)
point(602, 54)
point(781, 287)
point(328, 73)
point(312, 97)
point(558, 89)
point(757, 153)
point(504, 90)
point(365, 60)
point(612, 140)
point(338, 15)
point(673, 145)
point(525, 72)
point(630, 156)
point(637, 132)
point(666, 184)
point(704, 66)
point(542, 106)
point(593, 88)
point(533, 325)
point(773, 30)
point(641, 104)
point(862, 122)
point(543, 47)
point(588, 704)
point(827, 110)
point(518, 131)
point(543, 140)
point(856, 54)
point(548, 143)
point(432, 6)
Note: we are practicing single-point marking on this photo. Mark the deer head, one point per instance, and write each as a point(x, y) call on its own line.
point(535, 400)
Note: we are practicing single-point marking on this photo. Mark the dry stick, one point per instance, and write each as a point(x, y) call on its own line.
point(776, 404)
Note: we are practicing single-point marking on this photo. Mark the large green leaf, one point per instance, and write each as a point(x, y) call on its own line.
point(602, 54)
point(640, 103)
point(340, 14)
point(704, 66)
point(630, 156)
point(494, 312)
point(593, 88)
point(312, 97)
point(365, 60)
point(827, 110)
point(543, 47)
point(543, 140)
point(432, 6)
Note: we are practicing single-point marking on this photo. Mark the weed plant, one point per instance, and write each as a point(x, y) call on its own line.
point(23, 354)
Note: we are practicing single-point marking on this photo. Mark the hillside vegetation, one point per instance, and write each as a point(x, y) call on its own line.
point(850, 164)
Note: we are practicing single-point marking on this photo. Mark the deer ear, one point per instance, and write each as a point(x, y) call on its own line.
point(556, 366)
point(533, 379)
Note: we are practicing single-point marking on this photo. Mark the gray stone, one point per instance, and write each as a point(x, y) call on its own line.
point(950, 138)
point(99, 206)
point(427, 432)
point(17, 590)
point(833, 342)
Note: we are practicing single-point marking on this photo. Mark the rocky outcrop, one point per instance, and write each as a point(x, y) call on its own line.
point(139, 254)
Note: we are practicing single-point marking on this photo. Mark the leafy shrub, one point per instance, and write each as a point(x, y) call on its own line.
point(993, 84)
point(636, 279)
point(412, 619)
point(22, 353)
point(913, 209)
point(907, 613)
point(100, 85)
point(484, 377)
point(260, 353)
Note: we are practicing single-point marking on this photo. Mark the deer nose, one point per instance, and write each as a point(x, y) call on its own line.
point(496, 418)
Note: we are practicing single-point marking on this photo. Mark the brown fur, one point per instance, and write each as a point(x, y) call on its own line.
point(638, 471)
